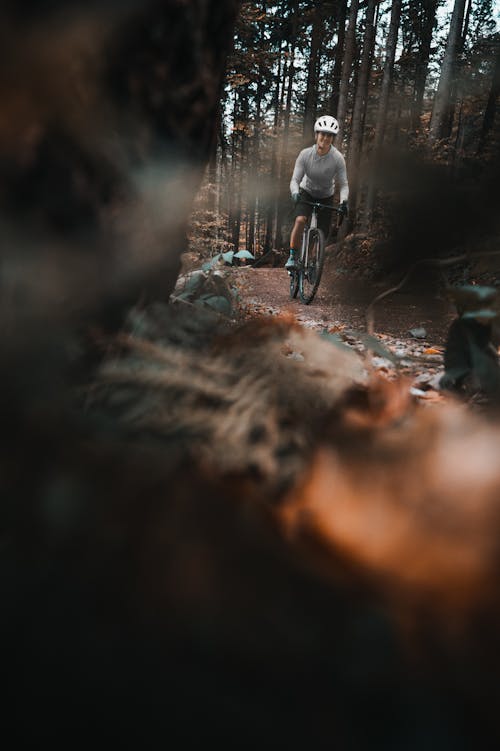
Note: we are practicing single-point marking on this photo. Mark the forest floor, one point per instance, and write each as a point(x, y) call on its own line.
point(410, 325)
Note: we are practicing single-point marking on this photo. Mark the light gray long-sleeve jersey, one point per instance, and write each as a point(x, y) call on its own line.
point(319, 174)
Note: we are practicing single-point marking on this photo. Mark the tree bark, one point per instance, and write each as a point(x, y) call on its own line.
point(346, 69)
point(339, 54)
point(491, 105)
point(390, 53)
point(312, 71)
point(441, 108)
point(271, 202)
point(455, 104)
point(429, 8)
point(278, 239)
point(360, 101)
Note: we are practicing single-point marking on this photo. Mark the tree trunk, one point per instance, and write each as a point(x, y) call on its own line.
point(491, 106)
point(232, 194)
point(212, 177)
point(339, 55)
point(271, 203)
point(350, 45)
point(360, 105)
point(390, 53)
point(236, 218)
point(278, 239)
point(441, 108)
point(239, 184)
point(429, 19)
point(253, 184)
point(312, 72)
point(455, 104)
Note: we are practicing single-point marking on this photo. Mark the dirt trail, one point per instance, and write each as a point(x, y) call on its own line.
point(340, 308)
point(342, 303)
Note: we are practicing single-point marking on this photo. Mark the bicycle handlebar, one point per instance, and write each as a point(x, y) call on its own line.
point(322, 206)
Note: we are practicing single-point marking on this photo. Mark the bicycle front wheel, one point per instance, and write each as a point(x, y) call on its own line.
point(312, 268)
point(294, 282)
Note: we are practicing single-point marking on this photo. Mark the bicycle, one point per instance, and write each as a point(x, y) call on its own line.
point(305, 278)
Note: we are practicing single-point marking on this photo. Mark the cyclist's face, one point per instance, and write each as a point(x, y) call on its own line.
point(323, 142)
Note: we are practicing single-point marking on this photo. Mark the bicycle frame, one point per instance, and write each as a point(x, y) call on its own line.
point(306, 277)
point(310, 225)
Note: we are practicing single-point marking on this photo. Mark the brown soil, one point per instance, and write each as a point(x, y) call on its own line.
point(342, 303)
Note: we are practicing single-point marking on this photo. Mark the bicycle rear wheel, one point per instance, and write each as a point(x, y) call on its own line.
point(312, 268)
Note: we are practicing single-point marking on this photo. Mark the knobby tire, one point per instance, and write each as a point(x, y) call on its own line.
point(312, 269)
point(294, 283)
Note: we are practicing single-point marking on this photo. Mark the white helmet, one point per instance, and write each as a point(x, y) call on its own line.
point(326, 124)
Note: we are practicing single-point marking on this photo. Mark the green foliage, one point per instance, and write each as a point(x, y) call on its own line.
point(471, 359)
point(481, 316)
point(195, 282)
point(207, 288)
point(217, 302)
point(244, 254)
point(334, 339)
point(226, 258)
point(472, 300)
point(374, 345)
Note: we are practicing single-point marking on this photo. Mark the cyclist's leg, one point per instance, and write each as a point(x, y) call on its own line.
point(297, 232)
point(302, 213)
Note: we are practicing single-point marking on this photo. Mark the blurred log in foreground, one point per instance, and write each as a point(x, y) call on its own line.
point(273, 548)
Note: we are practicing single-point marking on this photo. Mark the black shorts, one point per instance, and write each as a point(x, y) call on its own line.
point(324, 215)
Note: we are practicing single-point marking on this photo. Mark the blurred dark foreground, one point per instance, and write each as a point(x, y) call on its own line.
point(208, 533)
point(215, 539)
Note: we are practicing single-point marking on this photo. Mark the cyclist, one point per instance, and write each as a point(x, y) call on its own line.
point(317, 171)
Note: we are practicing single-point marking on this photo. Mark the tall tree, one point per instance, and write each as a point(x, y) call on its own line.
point(311, 99)
point(361, 100)
point(382, 111)
point(282, 186)
point(339, 53)
point(350, 44)
point(278, 94)
point(492, 103)
point(441, 108)
point(390, 56)
point(426, 23)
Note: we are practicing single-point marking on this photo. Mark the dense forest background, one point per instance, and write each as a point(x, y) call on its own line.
point(415, 86)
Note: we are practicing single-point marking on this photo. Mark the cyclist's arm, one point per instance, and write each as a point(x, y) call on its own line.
point(298, 173)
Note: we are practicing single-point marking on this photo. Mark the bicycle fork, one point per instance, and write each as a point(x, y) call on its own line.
point(305, 239)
